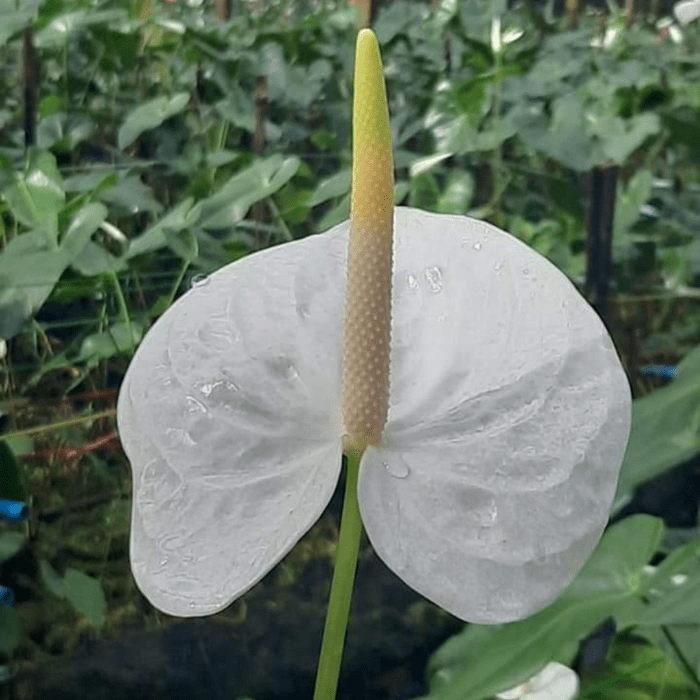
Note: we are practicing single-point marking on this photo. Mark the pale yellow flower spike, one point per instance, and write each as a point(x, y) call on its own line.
point(366, 327)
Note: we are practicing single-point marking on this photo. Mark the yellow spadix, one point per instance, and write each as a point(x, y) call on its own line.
point(366, 331)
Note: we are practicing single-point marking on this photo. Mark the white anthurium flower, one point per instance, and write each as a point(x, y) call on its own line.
point(500, 39)
point(666, 26)
point(492, 424)
point(554, 682)
point(687, 11)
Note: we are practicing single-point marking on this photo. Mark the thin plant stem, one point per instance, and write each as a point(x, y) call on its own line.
point(52, 427)
point(341, 586)
point(123, 308)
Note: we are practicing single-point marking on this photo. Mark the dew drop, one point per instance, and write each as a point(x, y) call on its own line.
point(477, 246)
point(397, 468)
point(195, 406)
point(412, 281)
point(190, 605)
point(200, 281)
point(498, 266)
point(526, 271)
point(433, 276)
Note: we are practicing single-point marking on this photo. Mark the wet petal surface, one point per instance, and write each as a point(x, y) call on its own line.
point(509, 416)
point(230, 416)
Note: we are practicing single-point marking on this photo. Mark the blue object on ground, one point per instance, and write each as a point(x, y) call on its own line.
point(7, 596)
point(667, 371)
point(13, 511)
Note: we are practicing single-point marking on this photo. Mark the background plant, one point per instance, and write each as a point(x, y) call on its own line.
point(155, 157)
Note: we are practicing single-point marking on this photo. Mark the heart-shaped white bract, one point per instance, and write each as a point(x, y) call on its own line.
point(508, 418)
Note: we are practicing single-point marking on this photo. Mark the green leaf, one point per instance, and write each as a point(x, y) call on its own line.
point(83, 592)
point(149, 116)
point(37, 193)
point(185, 215)
point(62, 132)
point(10, 632)
point(118, 338)
point(262, 179)
point(672, 592)
point(132, 195)
point(10, 476)
point(10, 543)
point(457, 194)
point(15, 16)
point(81, 228)
point(56, 33)
point(29, 270)
point(94, 260)
point(52, 579)
point(639, 672)
point(331, 187)
point(628, 203)
point(665, 429)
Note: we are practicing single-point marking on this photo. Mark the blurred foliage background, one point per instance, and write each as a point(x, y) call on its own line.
point(144, 144)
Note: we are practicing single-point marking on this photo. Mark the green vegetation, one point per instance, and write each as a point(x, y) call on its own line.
point(167, 145)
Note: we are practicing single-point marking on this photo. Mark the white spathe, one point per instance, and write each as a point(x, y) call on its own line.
point(508, 418)
point(554, 682)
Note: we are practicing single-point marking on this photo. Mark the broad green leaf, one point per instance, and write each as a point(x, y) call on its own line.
point(681, 643)
point(185, 215)
point(37, 193)
point(56, 33)
point(672, 592)
point(262, 179)
point(336, 215)
point(52, 579)
point(621, 137)
point(331, 187)
point(665, 429)
point(628, 203)
point(149, 116)
point(63, 132)
point(639, 672)
point(82, 226)
point(85, 594)
point(118, 338)
point(15, 16)
point(94, 260)
point(458, 193)
point(132, 195)
point(29, 270)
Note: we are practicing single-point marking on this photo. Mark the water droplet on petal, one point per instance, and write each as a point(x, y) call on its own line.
point(397, 468)
point(433, 276)
point(412, 281)
point(200, 281)
point(477, 246)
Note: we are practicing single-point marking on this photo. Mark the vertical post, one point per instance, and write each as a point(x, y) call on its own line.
point(30, 81)
point(603, 190)
point(259, 145)
point(364, 10)
point(223, 9)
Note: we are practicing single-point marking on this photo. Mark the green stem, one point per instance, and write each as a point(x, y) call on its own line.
point(123, 308)
point(341, 586)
